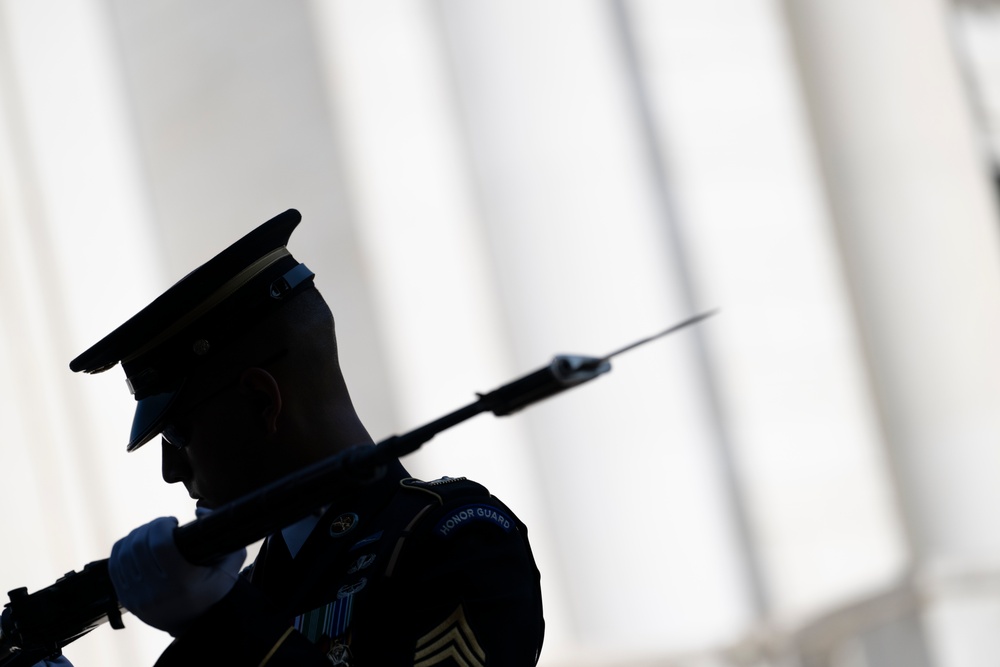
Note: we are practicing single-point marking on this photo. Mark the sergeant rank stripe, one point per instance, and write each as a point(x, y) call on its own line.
point(453, 639)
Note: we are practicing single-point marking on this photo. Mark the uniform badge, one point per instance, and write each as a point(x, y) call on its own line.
point(469, 514)
point(453, 640)
point(339, 655)
point(361, 563)
point(351, 589)
point(331, 620)
point(343, 524)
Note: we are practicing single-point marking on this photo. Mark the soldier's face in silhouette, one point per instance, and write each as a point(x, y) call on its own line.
point(219, 448)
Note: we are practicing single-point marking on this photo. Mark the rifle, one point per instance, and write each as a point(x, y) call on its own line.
point(38, 625)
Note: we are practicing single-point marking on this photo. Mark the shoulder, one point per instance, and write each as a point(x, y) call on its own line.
point(466, 570)
point(458, 531)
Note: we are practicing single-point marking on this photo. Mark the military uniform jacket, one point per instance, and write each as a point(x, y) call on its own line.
point(401, 572)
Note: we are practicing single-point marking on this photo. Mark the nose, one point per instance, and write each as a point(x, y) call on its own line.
point(175, 465)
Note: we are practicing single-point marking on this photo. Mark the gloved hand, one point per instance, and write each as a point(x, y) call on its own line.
point(155, 582)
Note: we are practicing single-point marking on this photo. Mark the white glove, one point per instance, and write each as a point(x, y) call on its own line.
point(155, 582)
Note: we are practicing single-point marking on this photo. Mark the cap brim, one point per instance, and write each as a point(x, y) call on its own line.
point(150, 418)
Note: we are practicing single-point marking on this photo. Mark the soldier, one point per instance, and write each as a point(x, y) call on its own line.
point(236, 369)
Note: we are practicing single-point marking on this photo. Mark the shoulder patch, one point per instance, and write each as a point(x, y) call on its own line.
point(466, 515)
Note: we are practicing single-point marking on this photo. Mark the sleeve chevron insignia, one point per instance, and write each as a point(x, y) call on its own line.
point(452, 640)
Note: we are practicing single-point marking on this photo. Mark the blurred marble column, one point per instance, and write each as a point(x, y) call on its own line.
point(233, 127)
point(583, 261)
point(909, 191)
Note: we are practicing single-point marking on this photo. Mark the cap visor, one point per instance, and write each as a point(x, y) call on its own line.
point(149, 419)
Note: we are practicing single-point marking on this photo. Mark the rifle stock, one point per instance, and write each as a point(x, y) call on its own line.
point(36, 626)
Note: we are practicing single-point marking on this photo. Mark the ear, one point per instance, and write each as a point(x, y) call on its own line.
point(264, 393)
